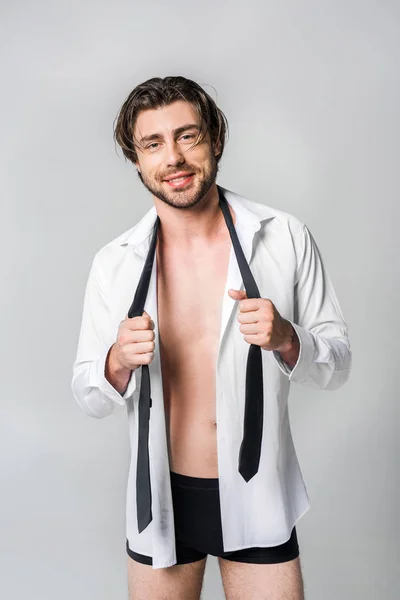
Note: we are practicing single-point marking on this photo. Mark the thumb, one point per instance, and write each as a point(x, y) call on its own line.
point(144, 314)
point(237, 294)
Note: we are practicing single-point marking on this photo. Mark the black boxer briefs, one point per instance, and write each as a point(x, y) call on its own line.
point(198, 528)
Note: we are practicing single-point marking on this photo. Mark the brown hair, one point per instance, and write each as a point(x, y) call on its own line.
point(158, 92)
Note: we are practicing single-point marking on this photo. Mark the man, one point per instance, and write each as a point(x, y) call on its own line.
point(186, 497)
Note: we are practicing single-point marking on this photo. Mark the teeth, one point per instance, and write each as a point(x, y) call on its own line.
point(179, 178)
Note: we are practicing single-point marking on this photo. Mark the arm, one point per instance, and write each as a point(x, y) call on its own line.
point(118, 376)
point(291, 355)
point(97, 384)
point(324, 354)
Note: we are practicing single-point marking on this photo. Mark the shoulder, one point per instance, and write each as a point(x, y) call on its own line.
point(121, 245)
point(281, 218)
point(266, 211)
point(114, 244)
point(109, 257)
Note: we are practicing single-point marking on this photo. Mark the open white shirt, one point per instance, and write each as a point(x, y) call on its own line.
point(288, 269)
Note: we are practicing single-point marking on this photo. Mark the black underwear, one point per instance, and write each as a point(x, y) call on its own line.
point(198, 529)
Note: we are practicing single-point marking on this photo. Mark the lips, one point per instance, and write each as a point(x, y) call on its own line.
point(181, 174)
point(179, 181)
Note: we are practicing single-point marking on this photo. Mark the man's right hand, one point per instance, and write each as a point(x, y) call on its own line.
point(134, 345)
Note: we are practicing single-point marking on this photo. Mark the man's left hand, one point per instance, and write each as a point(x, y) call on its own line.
point(261, 323)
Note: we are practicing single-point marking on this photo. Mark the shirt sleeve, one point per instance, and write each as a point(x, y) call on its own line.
point(92, 391)
point(324, 360)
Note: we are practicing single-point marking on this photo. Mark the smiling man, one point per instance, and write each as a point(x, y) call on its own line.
point(196, 320)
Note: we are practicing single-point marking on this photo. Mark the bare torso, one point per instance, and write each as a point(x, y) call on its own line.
point(190, 287)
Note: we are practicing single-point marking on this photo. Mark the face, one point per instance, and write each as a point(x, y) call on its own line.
point(163, 139)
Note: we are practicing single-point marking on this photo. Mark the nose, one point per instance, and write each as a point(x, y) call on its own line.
point(174, 154)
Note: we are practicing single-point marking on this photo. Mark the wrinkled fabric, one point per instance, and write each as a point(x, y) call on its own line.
point(289, 270)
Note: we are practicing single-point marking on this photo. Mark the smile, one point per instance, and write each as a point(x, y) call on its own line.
point(179, 182)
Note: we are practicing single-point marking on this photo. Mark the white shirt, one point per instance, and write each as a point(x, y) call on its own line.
point(288, 269)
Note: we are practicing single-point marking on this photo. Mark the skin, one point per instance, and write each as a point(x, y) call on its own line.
point(193, 226)
point(197, 206)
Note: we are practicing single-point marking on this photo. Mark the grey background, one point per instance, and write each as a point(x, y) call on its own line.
point(311, 92)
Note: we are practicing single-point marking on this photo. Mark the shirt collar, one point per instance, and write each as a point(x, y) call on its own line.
point(248, 220)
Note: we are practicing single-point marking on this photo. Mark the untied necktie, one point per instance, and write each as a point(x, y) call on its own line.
point(250, 448)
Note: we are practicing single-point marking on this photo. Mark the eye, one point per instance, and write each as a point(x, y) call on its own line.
point(188, 135)
point(152, 146)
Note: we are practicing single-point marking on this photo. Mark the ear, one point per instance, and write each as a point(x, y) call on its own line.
point(217, 148)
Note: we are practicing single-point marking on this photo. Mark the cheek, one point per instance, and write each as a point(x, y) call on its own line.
point(201, 164)
point(152, 169)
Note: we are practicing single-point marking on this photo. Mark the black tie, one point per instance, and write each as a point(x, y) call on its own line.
point(250, 448)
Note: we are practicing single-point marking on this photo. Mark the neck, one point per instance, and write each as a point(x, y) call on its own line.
point(199, 224)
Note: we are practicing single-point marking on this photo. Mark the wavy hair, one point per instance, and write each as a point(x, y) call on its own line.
point(157, 92)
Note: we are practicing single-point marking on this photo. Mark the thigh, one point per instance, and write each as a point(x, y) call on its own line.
point(272, 581)
point(179, 582)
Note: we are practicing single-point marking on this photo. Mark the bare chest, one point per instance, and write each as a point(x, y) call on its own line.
point(190, 287)
point(189, 291)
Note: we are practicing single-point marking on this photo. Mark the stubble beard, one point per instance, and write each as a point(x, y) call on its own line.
point(184, 198)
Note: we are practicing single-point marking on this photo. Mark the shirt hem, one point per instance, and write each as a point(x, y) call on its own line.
point(262, 544)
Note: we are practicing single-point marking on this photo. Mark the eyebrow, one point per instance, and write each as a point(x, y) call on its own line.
point(177, 131)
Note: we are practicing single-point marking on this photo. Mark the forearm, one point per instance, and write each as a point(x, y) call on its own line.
point(291, 355)
point(115, 374)
point(323, 363)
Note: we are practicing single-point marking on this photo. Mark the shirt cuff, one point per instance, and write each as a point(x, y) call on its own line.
point(298, 372)
point(98, 379)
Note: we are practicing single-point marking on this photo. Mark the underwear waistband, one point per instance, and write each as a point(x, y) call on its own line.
point(207, 483)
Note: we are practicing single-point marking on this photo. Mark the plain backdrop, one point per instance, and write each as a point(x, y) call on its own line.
point(311, 93)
